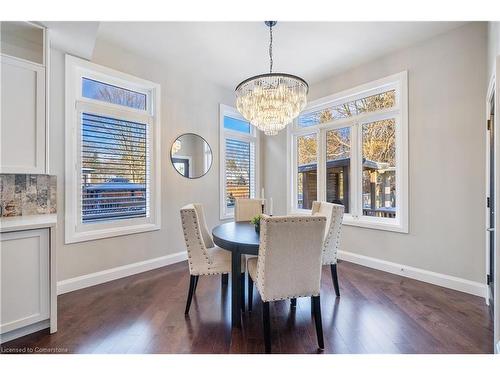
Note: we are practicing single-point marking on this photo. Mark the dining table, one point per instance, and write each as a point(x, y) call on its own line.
point(239, 238)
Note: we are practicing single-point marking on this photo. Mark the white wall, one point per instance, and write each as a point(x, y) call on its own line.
point(447, 80)
point(188, 105)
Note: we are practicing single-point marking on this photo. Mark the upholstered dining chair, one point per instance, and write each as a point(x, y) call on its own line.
point(245, 209)
point(334, 214)
point(288, 265)
point(204, 257)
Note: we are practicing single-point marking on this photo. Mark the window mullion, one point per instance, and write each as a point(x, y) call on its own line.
point(295, 164)
point(321, 162)
point(356, 165)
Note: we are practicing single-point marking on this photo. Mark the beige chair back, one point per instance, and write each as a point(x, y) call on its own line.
point(245, 209)
point(198, 256)
point(289, 262)
point(334, 214)
point(205, 233)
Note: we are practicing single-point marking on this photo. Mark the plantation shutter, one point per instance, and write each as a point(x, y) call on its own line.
point(240, 170)
point(114, 168)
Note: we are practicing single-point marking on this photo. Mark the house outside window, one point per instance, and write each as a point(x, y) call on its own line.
point(351, 148)
point(112, 153)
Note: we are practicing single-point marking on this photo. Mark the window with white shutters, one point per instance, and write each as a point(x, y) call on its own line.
point(238, 160)
point(112, 168)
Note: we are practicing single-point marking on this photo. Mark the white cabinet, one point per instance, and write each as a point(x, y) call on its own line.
point(23, 131)
point(23, 117)
point(25, 288)
point(28, 300)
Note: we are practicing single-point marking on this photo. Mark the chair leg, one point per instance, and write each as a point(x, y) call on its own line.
point(196, 283)
point(267, 326)
point(317, 321)
point(293, 302)
point(250, 293)
point(223, 279)
point(192, 282)
point(335, 279)
point(242, 278)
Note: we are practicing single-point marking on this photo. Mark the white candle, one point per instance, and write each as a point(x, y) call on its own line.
point(262, 194)
point(271, 206)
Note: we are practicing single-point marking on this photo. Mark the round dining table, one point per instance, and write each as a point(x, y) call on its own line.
point(239, 238)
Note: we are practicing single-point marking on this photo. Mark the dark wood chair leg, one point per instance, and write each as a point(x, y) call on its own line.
point(242, 278)
point(293, 302)
point(317, 321)
point(267, 326)
point(224, 279)
point(335, 279)
point(250, 293)
point(192, 282)
point(196, 283)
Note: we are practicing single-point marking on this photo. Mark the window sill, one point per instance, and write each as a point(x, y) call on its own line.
point(375, 224)
point(98, 234)
point(365, 222)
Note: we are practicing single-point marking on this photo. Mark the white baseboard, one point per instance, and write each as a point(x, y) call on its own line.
point(443, 280)
point(23, 331)
point(440, 279)
point(84, 281)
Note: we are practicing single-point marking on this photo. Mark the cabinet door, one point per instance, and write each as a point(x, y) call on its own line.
point(23, 132)
point(24, 259)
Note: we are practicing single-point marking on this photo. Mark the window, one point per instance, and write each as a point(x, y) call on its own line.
point(238, 160)
point(348, 109)
point(117, 95)
point(112, 148)
point(351, 148)
point(338, 165)
point(307, 150)
point(113, 168)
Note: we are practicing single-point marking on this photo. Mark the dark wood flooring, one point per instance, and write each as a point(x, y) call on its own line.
point(376, 313)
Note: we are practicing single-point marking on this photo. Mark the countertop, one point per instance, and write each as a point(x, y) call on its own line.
point(9, 224)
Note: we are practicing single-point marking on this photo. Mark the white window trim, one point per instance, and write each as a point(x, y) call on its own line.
point(253, 137)
point(77, 68)
point(399, 82)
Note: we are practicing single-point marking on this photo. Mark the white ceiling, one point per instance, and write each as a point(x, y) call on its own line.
point(228, 52)
point(75, 38)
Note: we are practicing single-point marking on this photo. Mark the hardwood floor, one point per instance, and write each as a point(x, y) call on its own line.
point(376, 313)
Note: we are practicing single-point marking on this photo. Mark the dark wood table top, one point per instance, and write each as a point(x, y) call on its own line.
point(237, 237)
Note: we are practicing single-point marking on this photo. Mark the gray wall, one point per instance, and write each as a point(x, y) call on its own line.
point(447, 80)
point(188, 105)
point(493, 45)
point(493, 52)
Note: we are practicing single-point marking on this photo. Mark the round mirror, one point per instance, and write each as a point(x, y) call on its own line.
point(191, 155)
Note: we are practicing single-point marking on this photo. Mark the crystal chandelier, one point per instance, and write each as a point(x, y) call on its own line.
point(176, 147)
point(271, 101)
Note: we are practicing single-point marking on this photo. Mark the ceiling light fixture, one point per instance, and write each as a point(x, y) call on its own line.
point(271, 101)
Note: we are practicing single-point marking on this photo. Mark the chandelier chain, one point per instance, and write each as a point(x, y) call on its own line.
point(270, 48)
